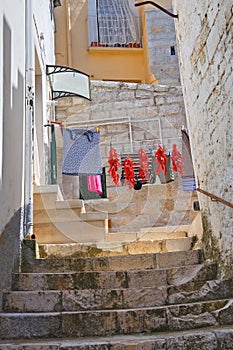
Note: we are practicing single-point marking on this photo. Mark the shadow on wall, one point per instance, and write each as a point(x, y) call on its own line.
point(12, 166)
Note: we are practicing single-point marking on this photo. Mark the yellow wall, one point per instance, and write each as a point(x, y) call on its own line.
point(72, 49)
point(149, 78)
point(61, 35)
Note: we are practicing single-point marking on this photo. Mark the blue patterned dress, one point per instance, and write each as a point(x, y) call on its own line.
point(81, 152)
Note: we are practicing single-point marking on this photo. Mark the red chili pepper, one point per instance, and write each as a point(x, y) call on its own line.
point(114, 163)
point(129, 171)
point(161, 160)
point(177, 160)
point(144, 165)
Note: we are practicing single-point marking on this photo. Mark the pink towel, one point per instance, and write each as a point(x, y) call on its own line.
point(94, 183)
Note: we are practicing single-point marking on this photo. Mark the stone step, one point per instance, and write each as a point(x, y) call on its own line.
point(152, 206)
point(55, 215)
point(134, 221)
point(70, 204)
point(115, 322)
point(148, 234)
point(65, 215)
point(45, 196)
point(159, 246)
point(59, 221)
point(111, 263)
point(70, 231)
point(94, 216)
point(77, 300)
point(165, 229)
point(147, 246)
point(143, 236)
point(113, 279)
point(115, 248)
point(122, 196)
point(211, 338)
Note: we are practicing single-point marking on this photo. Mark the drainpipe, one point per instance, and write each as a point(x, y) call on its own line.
point(68, 33)
point(53, 154)
point(29, 122)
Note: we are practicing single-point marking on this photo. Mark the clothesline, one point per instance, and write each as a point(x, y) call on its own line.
point(97, 123)
point(93, 123)
point(113, 121)
point(82, 156)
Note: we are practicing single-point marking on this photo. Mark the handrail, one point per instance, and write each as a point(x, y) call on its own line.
point(218, 199)
point(158, 6)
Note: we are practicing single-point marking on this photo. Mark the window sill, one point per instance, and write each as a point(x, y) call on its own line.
point(115, 50)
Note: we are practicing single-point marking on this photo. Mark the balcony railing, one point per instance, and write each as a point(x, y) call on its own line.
point(96, 41)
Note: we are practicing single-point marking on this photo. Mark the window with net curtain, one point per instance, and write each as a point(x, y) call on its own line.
point(112, 24)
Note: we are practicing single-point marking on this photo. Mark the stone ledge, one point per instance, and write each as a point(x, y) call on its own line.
point(70, 204)
point(109, 322)
point(94, 216)
point(211, 338)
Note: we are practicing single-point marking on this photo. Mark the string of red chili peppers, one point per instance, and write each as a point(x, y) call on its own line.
point(177, 160)
point(114, 163)
point(161, 160)
point(144, 164)
point(129, 172)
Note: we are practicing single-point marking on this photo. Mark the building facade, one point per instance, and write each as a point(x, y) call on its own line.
point(26, 47)
point(116, 41)
point(105, 40)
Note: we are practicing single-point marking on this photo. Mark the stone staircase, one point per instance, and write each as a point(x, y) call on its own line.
point(59, 221)
point(143, 284)
point(147, 240)
point(134, 216)
point(168, 300)
point(155, 205)
point(123, 243)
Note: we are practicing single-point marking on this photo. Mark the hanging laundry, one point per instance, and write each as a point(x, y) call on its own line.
point(144, 164)
point(161, 160)
point(129, 172)
point(177, 160)
point(189, 183)
point(81, 152)
point(94, 184)
point(114, 163)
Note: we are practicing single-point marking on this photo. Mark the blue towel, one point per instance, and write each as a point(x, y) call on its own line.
point(81, 152)
point(189, 184)
point(188, 180)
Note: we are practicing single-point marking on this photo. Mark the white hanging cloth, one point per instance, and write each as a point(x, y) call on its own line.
point(116, 23)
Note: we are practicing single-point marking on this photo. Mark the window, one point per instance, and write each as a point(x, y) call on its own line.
point(112, 24)
point(173, 52)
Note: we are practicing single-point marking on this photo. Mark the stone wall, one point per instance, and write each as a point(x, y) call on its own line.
point(128, 115)
point(162, 47)
point(204, 32)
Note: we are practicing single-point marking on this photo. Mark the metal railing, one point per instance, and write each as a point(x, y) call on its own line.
point(216, 198)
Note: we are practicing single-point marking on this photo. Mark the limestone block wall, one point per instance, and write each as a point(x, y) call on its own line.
point(162, 46)
point(129, 116)
point(204, 33)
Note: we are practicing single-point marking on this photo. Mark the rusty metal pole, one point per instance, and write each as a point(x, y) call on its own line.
point(158, 6)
